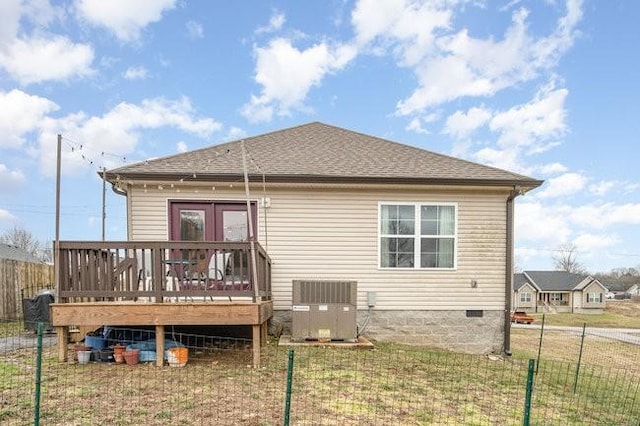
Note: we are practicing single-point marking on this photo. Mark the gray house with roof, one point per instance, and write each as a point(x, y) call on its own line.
point(427, 237)
point(558, 291)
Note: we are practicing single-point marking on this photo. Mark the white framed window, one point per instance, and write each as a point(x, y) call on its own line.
point(594, 297)
point(417, 235)
point(525, 297)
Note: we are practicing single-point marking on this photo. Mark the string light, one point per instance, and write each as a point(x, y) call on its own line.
point(83, 152)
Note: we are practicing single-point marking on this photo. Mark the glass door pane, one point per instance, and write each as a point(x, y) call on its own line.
point(235, 226)
point(192, 225)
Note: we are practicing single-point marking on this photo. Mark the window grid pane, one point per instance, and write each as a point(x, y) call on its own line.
point(399, 241)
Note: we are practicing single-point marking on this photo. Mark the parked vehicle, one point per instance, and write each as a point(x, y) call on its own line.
point(521, 317)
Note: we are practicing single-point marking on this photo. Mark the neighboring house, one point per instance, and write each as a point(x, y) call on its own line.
point(558, 291)
point(427, 237)
point(621, 289)
point(10, 252)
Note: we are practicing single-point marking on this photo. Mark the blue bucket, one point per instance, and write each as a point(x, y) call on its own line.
point(95, 342)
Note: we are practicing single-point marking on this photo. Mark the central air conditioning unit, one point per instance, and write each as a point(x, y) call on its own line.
point(324, 310)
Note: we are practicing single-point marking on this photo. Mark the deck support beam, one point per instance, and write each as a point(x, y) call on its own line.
point(159, 345)
point(62, 333)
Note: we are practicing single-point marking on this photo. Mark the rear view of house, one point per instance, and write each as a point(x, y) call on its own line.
point(426, 239)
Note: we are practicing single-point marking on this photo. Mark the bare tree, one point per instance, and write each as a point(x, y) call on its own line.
point(565, 259)
point(24, 240)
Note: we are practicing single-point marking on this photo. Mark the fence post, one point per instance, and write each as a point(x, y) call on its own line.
point(540, 344)
point(527, 398)
point(36, 410)
point(575, 382)
point(287, 405)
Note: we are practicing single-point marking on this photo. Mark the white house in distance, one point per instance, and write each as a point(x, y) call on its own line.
point(428, 238)
point(558, 291)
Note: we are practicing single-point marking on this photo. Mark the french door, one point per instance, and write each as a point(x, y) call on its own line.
point(212, 221)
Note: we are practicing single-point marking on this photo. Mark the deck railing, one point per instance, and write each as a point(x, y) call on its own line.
point(161, 271)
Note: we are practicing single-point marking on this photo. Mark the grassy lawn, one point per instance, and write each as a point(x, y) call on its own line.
point(618, 314)
point(391, 385)
point(11, 328)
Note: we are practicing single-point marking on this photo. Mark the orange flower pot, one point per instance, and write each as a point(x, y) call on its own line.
point(131, 357)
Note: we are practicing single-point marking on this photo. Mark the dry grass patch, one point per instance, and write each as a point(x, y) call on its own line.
point(618, 314)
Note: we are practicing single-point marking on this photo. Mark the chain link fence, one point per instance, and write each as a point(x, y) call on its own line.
point(388, 385)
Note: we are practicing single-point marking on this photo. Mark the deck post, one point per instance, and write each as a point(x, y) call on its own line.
point(158, 273)
point(256, 342)
point(62, 333)
point(263, 333)
point(159, 345)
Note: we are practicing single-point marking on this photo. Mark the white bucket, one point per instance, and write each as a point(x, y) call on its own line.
point(84, 357)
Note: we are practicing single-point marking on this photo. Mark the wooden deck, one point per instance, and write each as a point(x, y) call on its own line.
point(161, 284)
point(160, 315)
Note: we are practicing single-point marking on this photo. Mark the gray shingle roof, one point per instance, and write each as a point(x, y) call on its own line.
point(518, 281)
point(554, 280)
point(317, 152)
point(14, 253)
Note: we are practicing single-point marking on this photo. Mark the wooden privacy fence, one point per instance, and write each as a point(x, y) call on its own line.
point(21, 280)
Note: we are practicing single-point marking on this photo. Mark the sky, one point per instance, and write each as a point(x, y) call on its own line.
point(545, 88)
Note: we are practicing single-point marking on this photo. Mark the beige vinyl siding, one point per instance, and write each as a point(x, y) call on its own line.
point(594, 287)
point(333, 234)
point(517, 303)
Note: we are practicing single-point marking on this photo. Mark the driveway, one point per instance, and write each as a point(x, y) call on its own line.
point(25, 341)
point(627, 335)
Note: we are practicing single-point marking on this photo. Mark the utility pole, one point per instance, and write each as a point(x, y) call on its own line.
point(104, 201)
point(252, 237)
point(56, 244)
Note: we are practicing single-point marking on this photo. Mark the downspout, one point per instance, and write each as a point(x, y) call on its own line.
point(508, 288)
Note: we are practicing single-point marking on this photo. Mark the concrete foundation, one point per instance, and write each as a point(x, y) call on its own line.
point(460, 331)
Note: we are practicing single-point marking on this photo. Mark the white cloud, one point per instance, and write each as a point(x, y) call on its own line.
point(182, 147)
point(276, 22)
point(195, 29)
point(602, 188)
point(601, 216)
point(135, 73)
point(35, 60)
point(415, 125)
point(464, 66)
point(41, 12)
point(124, 18)
point(10, 179)
point(407, 27)
point(116, 132)
point(588, 242)
point(235, 133)
point(541, 224)
point(530, 124)
point(460, 125)
point(562, 186)
point(507, 159)
point(553, 168)
point(6, 216)
point(10, 11)
point(21, 114)
point(286, 75)
point(38, 57)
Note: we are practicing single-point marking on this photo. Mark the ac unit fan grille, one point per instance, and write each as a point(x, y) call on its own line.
point(324, 292)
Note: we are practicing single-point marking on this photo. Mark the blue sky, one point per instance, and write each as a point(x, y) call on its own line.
point(544, 88)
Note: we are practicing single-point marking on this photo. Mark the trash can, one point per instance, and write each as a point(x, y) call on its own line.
point(36, 310)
